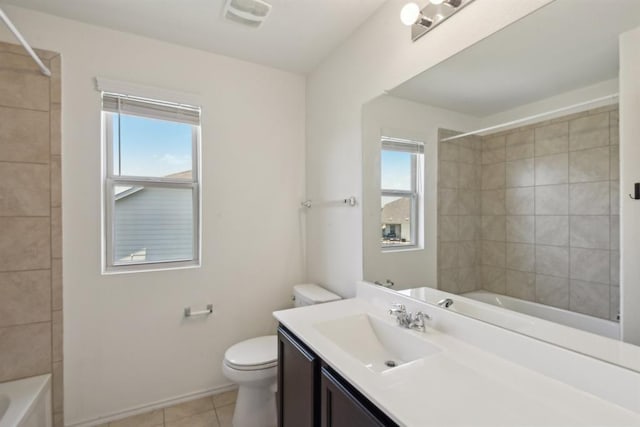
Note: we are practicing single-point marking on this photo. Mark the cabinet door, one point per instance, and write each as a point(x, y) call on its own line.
point(298, 382)
point(343, 406)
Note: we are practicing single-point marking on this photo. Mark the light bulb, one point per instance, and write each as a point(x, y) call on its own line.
point(436, 2)
point(409, 14)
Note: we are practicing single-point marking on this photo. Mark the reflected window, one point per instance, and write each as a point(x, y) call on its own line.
point(401, 175)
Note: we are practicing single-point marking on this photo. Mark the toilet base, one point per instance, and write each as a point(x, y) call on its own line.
point(255, 407)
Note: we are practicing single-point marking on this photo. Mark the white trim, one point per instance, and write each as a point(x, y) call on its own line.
point(160, 404)
point(149, 92)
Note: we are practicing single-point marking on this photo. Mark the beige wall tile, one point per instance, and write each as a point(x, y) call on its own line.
point(468, 202)
point(57, 397)
point(615, 233)
point(520, 228)
point(58, 420)
point(614, 301)
point(224, 399)
point(589, 165)
point(56, 182)
point(591, 198)
point(493, 202)
point(552, 139)
point(56, 233)
point(187, 409)
point(614, 127)
point(614, 165)
point(26, 350)
point(468, 155)
point(467, 279)
point(493, 176)
point(448, 151)
point(493, 227)
point(56, 284)
point(447, 228)
point(590, 265)
point(447, 202)
point(149, 419)
point(24, 135)
point(553, 291)
point(55, 65)
point(590, 231)
point(614, 190)
point(552, 230)
point(22, 84)
point(589, 298)
point(55, 129)
point(447, 255)
point(552, 200)
point(493, 150)
point(519, 145)
point(590, 131)
point(521, 285)
point(448, 280)
point(56, 336)
point(24, 189)
point(552, 169)
point(25, 297)
point(614, 260)
point(468, 176)
point(493, 253)
point(519, 173)
point(494, 279)
point(521, 257)
point(468, 227)
point(466, 255)
point(448, 175)
point(552, 261)
point(520, 201)
point(25, 244)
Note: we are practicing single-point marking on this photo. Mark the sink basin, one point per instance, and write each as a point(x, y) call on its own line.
point(380, 346)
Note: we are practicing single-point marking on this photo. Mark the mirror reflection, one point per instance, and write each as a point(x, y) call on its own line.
point(495, 174)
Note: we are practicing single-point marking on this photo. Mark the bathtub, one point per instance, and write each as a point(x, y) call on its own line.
point(26, 403)
point(591, 324)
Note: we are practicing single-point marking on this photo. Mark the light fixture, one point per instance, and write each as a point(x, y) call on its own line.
point(429, 17)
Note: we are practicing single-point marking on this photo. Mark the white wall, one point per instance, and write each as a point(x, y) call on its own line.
point(395, 117)
point(629, 174)
point(125, 341)
point(378, 56)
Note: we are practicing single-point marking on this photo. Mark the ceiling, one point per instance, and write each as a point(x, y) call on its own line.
point(296, 37)
point(566, 45)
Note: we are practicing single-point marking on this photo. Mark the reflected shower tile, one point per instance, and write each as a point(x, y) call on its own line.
point(521, 285)
point(590, 231)
point(589, 165)
point(493, 202)
point(520, 229)
point(519, 173)
point(614, 163)
point(552, 139)
point(589, 298)
point(614, 261)
point(614, 301)
point(552, 261)
point(447, 255)
point(468, 202)
point(519, 145)
point(448, 151)
point(493, 253)
point(447, 202)
point(552, 169)
point(468, 280)
point(614, 127)
point(447, 228)
point(553, 291)
point(493, 176)
point(493, 279)
point(520, 201)
point(448, 280)
point(589, 198)
point(614, 195)
point(468, 228)
point(448, 175)
point(467, 254)
point(493, 150)
point(615, 233)
point(24, 135)
point(521, 257)
point(552, 230)
point(467, 176)
point(552, 200)
point(591, 265)
point(493, 227)
point(589, 131)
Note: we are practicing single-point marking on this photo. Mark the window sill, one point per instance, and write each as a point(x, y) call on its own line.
point(391, 250)
point(147, 268)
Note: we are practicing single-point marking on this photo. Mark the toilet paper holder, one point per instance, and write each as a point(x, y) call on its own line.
point(189, 313)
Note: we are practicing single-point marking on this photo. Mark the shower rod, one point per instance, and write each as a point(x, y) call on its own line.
point(24, 43)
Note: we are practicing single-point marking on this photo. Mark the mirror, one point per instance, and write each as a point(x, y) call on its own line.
point(494, 175)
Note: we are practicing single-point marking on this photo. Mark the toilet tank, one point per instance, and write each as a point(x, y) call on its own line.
point(309, 294)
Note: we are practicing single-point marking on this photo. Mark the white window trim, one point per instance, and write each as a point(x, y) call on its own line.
point(414, 194)
point(109, 181)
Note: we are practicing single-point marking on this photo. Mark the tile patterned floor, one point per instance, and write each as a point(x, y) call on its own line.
point(211, 411)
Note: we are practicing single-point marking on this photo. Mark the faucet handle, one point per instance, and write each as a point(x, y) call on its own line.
point(422, 316)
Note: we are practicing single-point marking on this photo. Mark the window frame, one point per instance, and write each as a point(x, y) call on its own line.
point(110, 181)
point(414, 194)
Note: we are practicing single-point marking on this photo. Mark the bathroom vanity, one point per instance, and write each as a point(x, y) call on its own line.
point(350, 363)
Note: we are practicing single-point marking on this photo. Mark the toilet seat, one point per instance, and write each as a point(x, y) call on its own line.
point(253, 354)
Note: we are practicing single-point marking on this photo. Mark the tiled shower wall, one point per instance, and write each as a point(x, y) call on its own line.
point(30, 220)
point(459, 174)
point(550, 213)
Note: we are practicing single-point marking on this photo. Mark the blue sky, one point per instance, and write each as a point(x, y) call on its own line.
point(395, 171)
point(151, 147)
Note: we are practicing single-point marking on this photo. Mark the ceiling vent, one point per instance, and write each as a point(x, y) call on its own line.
point(250, 13)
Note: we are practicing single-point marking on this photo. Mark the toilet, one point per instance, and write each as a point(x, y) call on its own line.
point(252, 364)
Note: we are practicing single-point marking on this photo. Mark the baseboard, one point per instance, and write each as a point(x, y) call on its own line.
point(141, 409)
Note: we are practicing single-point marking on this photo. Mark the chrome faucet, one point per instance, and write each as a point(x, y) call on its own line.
point(446, 303)
point(409, 320)
point(388, 284)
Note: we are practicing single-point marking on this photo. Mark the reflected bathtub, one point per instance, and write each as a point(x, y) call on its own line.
point(26, 403)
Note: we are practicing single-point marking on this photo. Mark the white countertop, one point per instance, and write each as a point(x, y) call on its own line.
point(458, 386)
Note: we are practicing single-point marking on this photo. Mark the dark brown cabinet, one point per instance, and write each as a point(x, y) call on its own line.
point(311, 394)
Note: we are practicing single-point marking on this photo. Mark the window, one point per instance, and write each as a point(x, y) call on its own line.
point(401, 192)
point(151, 185)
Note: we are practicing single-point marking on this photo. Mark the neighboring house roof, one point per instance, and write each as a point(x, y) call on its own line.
point(397, 212)
point(132, 190)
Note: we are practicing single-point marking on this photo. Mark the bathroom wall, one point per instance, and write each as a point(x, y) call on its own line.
point(127, 347)
point(377, 57)
point(30, 227)
point(459, 220)
point(550, 212)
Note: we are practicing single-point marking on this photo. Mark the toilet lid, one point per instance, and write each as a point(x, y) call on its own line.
point(253, 352)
